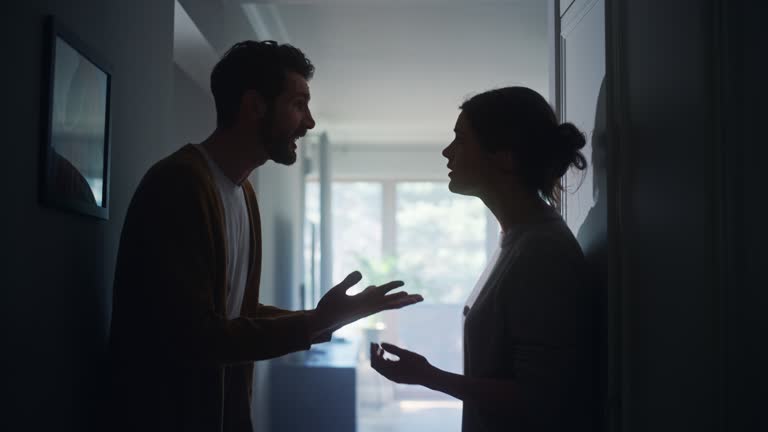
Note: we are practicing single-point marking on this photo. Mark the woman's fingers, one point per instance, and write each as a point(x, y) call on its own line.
point(374, 354)
point(393, 349)
point(380, 364)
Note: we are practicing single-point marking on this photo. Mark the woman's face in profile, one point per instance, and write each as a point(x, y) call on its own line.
point(467, 161)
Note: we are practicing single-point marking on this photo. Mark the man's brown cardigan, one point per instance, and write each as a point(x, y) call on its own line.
point(174, 356)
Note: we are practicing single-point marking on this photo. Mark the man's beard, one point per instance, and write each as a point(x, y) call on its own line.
point(280, 150)
point(278, 147)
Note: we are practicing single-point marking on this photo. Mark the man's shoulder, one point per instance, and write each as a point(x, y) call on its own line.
point(181, 176)
point(185, 161)
point(185, 165)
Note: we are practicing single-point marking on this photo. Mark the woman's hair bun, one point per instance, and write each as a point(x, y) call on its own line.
point(521, 120)
point(569, 141)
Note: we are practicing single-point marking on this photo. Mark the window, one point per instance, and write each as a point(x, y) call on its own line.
point(440, 240)
point(438, 244)
point(433, 240)
point(356, 213)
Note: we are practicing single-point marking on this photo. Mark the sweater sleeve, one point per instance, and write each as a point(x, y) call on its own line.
point(266, 311)
point(179, 266)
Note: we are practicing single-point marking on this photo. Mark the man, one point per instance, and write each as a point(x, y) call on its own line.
point(186, 322)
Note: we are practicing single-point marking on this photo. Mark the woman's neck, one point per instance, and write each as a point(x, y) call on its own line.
point(513, 205)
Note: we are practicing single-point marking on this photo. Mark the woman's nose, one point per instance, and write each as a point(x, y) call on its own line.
point(447, 150)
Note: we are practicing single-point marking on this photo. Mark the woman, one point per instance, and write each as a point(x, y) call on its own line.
point(528, 329)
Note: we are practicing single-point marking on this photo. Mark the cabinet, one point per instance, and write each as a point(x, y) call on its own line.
point(315, 390)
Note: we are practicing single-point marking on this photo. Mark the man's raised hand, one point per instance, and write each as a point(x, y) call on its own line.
point(337, 309)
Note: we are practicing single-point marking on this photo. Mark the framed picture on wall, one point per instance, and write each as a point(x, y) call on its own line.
point(75, 165)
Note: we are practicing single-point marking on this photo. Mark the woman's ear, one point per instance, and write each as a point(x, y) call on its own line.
point(505, 160)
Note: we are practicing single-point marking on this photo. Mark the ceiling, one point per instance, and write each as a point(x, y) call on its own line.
point(387, 71)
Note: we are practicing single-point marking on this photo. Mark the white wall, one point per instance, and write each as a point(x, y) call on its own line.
point(278, 192)
point(278, 189)
point(194, 115)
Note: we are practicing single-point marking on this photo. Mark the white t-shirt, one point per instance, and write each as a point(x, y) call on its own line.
point(238, 232)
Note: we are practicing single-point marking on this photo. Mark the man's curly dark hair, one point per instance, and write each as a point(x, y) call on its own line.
point(253, 65)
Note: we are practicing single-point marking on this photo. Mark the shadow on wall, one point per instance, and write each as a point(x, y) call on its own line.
point(593, 238)
point(593, 233)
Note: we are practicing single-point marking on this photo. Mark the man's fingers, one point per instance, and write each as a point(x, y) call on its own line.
point(389, 286)
point(396, 296)
point(348, 281)
point(402, 301)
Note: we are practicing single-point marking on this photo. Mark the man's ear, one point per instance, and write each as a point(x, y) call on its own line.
point(253, 104)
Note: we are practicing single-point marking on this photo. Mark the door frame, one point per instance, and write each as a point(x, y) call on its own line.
point(616, 118)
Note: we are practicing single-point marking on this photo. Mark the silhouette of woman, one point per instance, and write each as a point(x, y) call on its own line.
point(528, 328)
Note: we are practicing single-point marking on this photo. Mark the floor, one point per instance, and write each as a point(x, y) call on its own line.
point(412, 416)
point(383, 408)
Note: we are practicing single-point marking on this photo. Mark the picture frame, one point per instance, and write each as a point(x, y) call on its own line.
point(76, 144)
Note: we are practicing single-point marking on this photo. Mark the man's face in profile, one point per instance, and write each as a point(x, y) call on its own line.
point(290, 119)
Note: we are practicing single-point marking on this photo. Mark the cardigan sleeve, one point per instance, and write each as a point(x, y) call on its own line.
point(177, 261)
point(265, 311)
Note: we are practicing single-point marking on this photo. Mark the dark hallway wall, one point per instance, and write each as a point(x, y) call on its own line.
point(670, 222)
point(56, 268)
point(745, 302)
point(692, 203)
